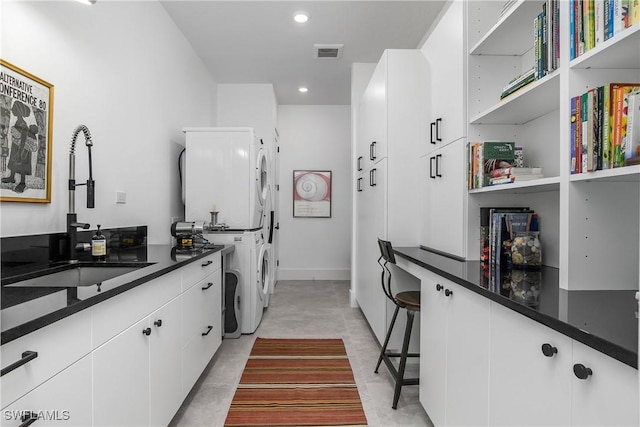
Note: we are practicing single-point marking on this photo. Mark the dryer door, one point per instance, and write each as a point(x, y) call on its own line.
point(260, 180)
point(264, 274)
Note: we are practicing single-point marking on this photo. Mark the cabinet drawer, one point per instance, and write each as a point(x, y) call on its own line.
point(196, 354)
point(198, 270)
point(57, 345)
point(114, 315)
point(64, 399)
point(201, 307)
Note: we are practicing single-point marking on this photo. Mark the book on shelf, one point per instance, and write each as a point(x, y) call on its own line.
point(631, 128)
point(599, 127)
point(510, 224)
point(592, 22)
point(497, 162)
point(518, 83)
point(485, 222)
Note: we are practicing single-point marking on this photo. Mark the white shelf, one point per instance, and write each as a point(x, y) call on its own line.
point(623, 174)
point(529, 103)
point(533, 186)
point(621, 51)
point(506, 36)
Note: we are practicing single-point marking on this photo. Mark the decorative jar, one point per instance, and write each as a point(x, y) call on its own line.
point(526, 250)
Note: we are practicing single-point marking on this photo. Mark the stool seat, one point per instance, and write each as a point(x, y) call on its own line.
point(409, 299)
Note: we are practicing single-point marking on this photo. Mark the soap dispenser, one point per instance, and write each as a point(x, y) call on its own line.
point(99, 246)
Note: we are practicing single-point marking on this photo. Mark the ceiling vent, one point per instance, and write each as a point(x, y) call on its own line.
point(327, 51)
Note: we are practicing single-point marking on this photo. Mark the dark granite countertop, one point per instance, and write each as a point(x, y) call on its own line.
point(26, 309)
point(604, 320)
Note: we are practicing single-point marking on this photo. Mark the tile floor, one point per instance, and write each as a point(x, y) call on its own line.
point(305, 309)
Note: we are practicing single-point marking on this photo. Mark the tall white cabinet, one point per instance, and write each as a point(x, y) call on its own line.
point(391, 130)
point(443, 195)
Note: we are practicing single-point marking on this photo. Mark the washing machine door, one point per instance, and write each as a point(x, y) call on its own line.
point(264, 274)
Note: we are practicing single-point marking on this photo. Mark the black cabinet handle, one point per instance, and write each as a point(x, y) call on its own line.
point(158, 323)
point(439, 287)
point(146, 331)
point(372, 178)
point(27, 356)
point(431, 159)
point(359, 184)
point(372, 151)
point(438, 157)
point(447, 292)
point(549, 350)
point(210, 284)
point(360, 163)
point(432, 125)
point(581, 371)
point(207, 263)
point(438, 121)
point(209, 328)
point(28, 418)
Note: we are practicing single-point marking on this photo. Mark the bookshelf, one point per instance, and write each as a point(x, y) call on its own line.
point(589, 221)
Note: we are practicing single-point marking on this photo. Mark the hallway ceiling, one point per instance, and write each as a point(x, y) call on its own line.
point(258, 41)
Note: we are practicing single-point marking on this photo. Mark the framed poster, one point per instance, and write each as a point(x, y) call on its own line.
point(312, 194)
point(26, 123)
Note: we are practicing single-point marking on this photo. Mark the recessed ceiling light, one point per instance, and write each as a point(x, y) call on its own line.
point(301, 17)
point(303, 89)
point(89, 2)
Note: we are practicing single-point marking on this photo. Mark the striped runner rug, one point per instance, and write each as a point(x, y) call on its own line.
point(297, 382)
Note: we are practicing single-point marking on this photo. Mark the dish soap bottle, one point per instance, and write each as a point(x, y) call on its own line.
point(99, 246)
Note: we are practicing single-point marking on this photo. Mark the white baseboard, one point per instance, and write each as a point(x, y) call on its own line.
point(313, 274)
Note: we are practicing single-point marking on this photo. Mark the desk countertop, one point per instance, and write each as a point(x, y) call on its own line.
point(602, 319)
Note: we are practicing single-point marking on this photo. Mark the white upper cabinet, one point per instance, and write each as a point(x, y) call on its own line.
point(446, 58)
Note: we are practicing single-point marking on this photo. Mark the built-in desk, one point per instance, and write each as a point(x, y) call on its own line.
point(515, 349)
point(603, 320)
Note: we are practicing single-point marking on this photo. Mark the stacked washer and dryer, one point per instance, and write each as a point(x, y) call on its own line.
point(227, 171)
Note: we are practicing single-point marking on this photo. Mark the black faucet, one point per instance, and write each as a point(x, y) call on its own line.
point(72, 218)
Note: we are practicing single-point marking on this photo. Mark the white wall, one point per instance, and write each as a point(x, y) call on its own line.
point(315, 137)
point(124, 70)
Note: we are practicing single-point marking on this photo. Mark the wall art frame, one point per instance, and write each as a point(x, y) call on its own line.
point(312, 193)
point(26, 131)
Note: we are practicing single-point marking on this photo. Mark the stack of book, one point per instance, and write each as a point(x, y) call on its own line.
point(514, 174)
point(592, 22)
point(518, 83)
point(498, 226)
point(546, 38)
point(491, 163)
point(605, 132)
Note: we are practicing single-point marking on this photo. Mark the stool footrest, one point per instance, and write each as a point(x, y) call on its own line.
point(394, 354)
point(396, 375)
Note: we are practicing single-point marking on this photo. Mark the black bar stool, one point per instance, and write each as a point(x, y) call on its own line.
point(409, 300)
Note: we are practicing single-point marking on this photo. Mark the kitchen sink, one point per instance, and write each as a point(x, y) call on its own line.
point(80, 275)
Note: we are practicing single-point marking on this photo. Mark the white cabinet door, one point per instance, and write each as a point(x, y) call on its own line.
point(165, 358)
point(527, 386)
point(444, 50)
point(374, 114)
point(64, 399)
point(444, 227)
point(371, 225)
point(433, 347)
point(121, 379)
point(454, 353)
point(609, 393)
point(468, 320)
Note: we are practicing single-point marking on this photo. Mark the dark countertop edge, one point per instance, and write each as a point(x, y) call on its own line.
point(615, 351)
point(35, 324)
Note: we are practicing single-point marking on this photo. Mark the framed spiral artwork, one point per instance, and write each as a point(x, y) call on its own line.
point(26, 123)
point(312, 194)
